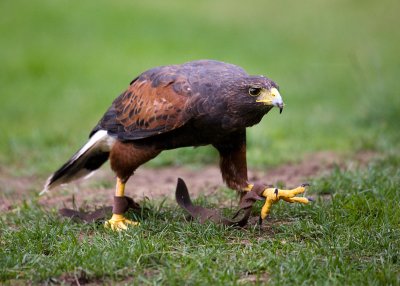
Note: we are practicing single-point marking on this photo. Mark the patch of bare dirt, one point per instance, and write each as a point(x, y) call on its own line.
point(258, 279)
point(82, 278)
point(160, 183)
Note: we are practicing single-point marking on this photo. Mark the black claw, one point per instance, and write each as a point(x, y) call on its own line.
point(305, 185)
point(310, 199)
point(276, 191)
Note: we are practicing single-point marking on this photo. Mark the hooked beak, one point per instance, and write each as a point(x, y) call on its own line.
point(280, 107)
point(272, 97)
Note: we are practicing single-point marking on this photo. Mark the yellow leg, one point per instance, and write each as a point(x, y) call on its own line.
point(248, 188)
point(120, 188)
point(118, 222)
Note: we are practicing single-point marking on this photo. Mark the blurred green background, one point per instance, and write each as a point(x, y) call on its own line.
point(63, 62)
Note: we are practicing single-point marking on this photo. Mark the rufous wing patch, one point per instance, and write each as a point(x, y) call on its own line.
point(145, 110)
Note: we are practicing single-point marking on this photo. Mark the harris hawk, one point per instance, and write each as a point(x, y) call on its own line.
point(193, 104)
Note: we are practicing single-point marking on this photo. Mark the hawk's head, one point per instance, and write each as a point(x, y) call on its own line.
point(263, 91)
point(249, 98)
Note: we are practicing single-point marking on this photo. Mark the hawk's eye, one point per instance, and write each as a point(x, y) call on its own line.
point(254, 91)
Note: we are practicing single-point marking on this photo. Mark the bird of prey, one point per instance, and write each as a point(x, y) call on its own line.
point(193, 104)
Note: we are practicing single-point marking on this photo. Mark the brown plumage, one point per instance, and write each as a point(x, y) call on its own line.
point(197, 103)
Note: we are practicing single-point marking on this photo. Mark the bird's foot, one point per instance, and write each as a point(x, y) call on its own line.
point(273, 195)
point(119, 222)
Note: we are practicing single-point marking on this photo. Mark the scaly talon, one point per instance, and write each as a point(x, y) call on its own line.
point(273, 195)
point(119, 222)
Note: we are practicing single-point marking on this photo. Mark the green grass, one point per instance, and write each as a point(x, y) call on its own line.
point(352, 238)
point(337, 63)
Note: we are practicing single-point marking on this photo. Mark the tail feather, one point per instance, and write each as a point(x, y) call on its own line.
point(88, 159)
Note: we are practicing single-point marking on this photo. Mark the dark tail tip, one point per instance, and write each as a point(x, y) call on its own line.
point(182, 194)
point(75, 168)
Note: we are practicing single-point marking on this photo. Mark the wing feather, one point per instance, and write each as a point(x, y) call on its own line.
point(150, 106)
